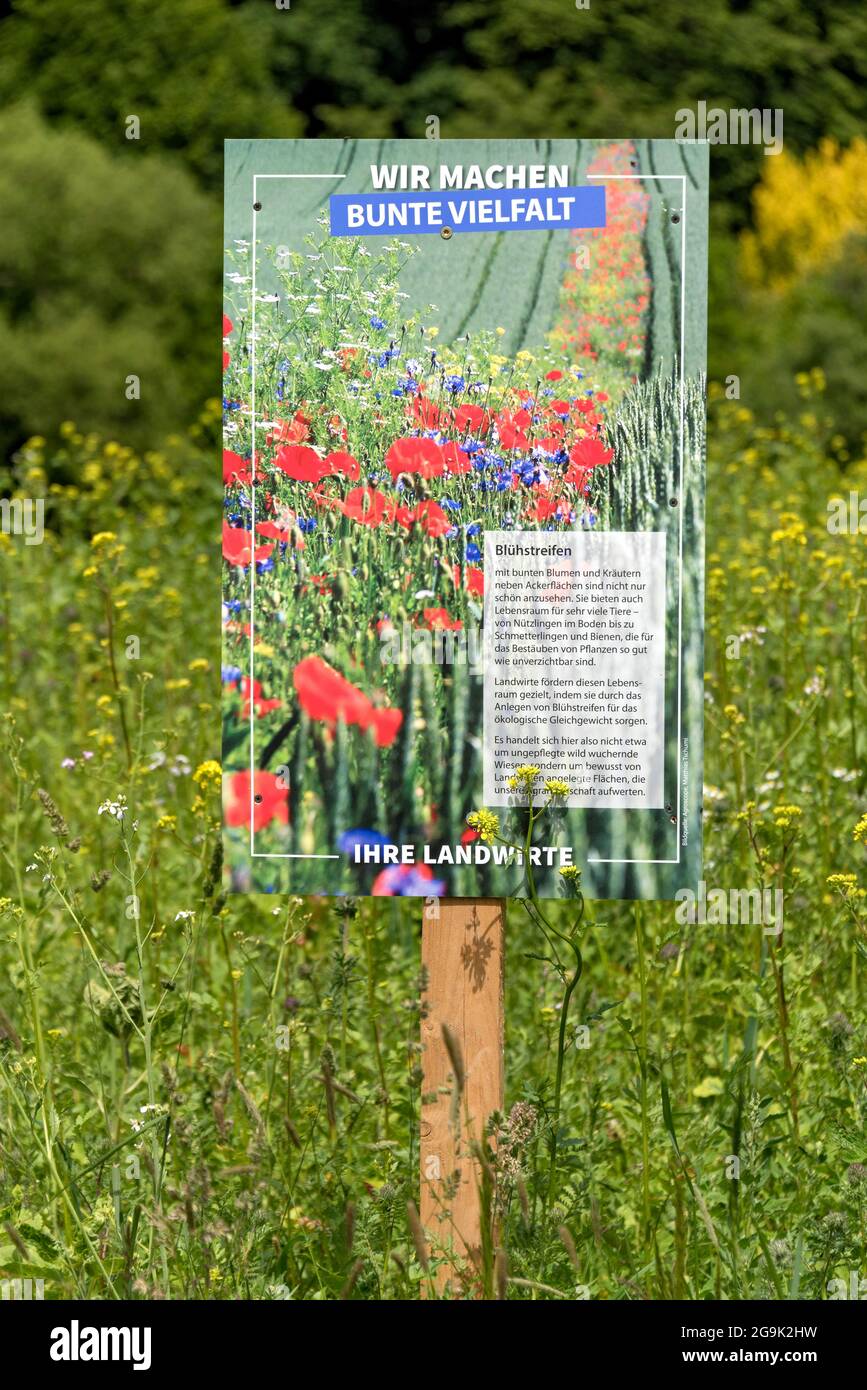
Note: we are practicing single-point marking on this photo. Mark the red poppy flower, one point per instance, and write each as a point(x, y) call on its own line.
point(322, 498)
point(385, 724)
point(294, 431)
point(512, 438)
point(227, 325)
point(511, 428)
point(425, 412)
point(431, 518)
point(273, 531)
point(402, 516)
point(471, 418)
point(235, 470)
point(560, 407)
point(268, 800)
point(320, 584)
point(238, 546)
point(456, 461)
point(474, 580)
point(548, 507)
point(578, 476)
point(590, 453)
point(440, 617)
point(554, 375)
point(300, 462)
point(341, 462)
point(260, 705)
point(324, 694)
point(556, 427)
point(226, 359)
point(365, 505)
point(585, 404)
point(415, 455)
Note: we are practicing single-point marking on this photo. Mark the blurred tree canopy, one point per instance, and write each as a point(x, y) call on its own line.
point(193, 71)
point(197, 71)
point(101, 277)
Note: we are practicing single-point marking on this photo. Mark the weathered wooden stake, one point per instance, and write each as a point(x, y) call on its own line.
point(462, 950)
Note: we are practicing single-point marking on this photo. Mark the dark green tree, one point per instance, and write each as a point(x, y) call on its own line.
point(102, 278)
point(195, 72)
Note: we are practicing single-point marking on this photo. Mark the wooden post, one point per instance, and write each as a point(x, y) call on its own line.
point(462, 951)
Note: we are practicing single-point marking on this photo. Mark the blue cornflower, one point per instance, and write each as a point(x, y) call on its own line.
point(376, 322)
point(263, 566)
point(454, 384)
point(307, 524)
point(473, 552)
point(474, 528)
point(348, 841)
point(450, 504)
point(230, 675)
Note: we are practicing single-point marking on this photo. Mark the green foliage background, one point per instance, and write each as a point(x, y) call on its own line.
point(196, 72)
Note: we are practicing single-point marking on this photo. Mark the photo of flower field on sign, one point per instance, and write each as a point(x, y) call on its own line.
point(365, 456)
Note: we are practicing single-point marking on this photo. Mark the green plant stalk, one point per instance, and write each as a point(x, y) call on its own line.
point(147, 1039)
point(236, 1037)
point(24, 943)
point(374, 1025)
point(645, 1128)
point(118, 694)
point(534, 908)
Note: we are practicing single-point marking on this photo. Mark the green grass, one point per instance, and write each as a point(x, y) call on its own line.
point(278, 1039)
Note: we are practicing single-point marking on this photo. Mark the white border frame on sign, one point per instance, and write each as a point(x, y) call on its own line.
point(676, 178)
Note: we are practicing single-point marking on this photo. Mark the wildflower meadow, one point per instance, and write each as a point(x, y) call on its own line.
point(212, 1096)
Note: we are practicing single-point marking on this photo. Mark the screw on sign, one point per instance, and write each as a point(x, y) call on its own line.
point(462, 1086)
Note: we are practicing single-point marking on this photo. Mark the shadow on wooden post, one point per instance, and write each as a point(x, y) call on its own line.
point(462, 952)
